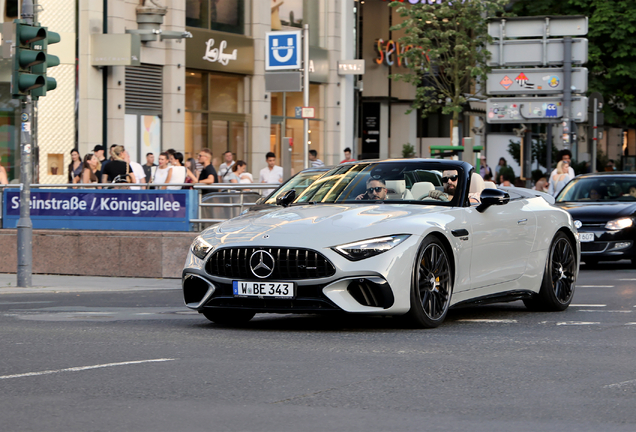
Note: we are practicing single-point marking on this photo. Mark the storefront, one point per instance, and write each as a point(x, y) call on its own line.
point(218, 70)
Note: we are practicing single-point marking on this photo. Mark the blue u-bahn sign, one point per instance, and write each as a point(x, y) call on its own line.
point(106, 209)
point(283, 50)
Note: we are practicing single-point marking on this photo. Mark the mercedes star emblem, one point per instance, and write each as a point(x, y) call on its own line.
point(262, 264)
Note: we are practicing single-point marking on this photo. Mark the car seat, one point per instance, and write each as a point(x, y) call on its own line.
point(421, 190)
point(395, 189)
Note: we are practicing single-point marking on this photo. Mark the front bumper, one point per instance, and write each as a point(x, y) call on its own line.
point(608, 245)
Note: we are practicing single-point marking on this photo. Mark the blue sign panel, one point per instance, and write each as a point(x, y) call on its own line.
point(126, 210)
point(282, 50)
point(551, 110)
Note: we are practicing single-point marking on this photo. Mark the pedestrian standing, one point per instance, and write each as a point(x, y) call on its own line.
point(75, 167)
point(150, 163)
point(98, 151)
point(89, 169)
point(208, 174)
point(162, 173)
point(272, 173)
point(564, 155)
point(348, 157)
point(313, 159)
point(226, 167)
point(561, 177)
point(138, 170)
point(179, 172)
point(117, 168)
point(484, 169)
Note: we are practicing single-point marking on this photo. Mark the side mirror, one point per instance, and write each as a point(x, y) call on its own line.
point(287, 198)
point(490, 197)
point(261, 200)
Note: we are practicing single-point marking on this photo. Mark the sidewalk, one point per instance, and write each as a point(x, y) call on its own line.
point(56, 283)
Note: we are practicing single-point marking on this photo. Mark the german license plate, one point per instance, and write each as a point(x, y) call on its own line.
point(586, 237)
point(263, 289)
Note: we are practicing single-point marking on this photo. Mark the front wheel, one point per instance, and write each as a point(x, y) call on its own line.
point(228, 317)
point(559, 276)
point(432, 285)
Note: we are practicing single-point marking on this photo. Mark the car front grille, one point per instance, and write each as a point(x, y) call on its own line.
point(289, 263)
point(593, 246)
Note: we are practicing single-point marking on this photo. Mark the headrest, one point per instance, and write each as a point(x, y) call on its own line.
point(396, 186)
point(421, 188)
point(476, 184)
point(490, 185)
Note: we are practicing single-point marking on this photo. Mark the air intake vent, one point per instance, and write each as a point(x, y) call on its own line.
point(289, 263)
point(144, 88)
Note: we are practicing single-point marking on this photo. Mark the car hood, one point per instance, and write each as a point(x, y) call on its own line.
point(322, 224)
point(598, 213)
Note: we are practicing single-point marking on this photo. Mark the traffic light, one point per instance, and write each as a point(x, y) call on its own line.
point(31, 60)
point(51, 61)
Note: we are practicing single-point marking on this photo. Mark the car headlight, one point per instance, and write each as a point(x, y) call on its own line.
point(371, 247)
point(200, 248)
point(619, 224)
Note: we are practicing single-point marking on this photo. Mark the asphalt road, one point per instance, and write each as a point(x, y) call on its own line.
point(139, 360)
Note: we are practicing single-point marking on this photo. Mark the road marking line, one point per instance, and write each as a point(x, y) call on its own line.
point(605, 311)
point(632, 323)
point(83, 368)
point(496, 321)
point(595, 286)
point(627, 280)
point(573, 323)
point(590, 305)
point(620, 384)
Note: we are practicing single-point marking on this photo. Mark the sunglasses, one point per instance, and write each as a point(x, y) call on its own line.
point(451, 178)
point(375, 189)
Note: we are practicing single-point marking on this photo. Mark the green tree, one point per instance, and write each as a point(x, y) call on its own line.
point(612, 58)
point(447, 53)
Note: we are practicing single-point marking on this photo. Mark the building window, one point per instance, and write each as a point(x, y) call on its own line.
point(222, 15)
point(214, 116)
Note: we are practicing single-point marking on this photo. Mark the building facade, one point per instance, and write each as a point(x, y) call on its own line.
point(186, 75)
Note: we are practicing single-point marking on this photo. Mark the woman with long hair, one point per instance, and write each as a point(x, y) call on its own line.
point(238, 174)
point(75, 167)
point(163, 172)
point(180, 173)
point(562, 176)
point(117, 167)
point(89, 173)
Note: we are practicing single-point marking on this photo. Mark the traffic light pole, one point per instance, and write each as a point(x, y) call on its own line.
point(25, 227)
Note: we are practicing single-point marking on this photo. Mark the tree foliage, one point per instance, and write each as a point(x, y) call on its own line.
point(445, 50)
point(612, 57)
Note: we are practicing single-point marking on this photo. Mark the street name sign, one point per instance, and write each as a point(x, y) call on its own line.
point(534, 81)
point(534, 110)
point(530, 52)
point(555, 26)
point(283, 81)
point(283, 50)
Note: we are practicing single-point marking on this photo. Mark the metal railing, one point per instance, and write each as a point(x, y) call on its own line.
point(223, 201)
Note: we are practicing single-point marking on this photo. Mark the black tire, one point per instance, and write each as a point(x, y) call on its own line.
point(431, 285)
point(559, 277)
point(228, 317)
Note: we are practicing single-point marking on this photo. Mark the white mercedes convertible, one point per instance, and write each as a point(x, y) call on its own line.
point(406, 238)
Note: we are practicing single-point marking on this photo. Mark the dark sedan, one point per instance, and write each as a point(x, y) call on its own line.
point(603, 206)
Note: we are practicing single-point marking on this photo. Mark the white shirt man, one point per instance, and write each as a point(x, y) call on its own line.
point(138, 171)
point(272, 173)
point(226, 167)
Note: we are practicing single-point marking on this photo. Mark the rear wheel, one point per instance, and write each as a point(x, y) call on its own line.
point(559, 276)
point(228, 317)
point(432, 285)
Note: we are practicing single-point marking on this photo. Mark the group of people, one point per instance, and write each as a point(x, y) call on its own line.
point(558, 178)
point(171, 169)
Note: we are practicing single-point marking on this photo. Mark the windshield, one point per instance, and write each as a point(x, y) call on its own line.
point(599, 189)
point(397, 182)
point(299, 182)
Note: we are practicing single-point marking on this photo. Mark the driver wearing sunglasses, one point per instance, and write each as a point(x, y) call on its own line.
point(376, 190)
point(449, 180)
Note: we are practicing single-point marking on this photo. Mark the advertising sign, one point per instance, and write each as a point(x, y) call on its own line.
point(124, 210)
point(282, 50)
